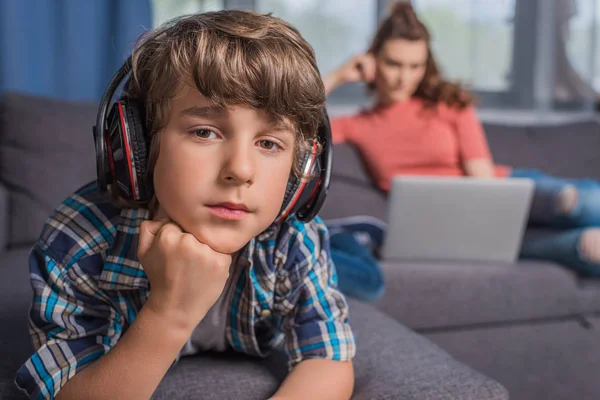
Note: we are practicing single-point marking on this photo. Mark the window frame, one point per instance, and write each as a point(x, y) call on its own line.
point(530, 81)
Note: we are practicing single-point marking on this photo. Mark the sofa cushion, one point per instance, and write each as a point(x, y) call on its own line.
point(571, 150)
point(567, 150)
point(513, 145)
point(551, 360)
point(347, 198)
point(348, 164)
point(391, 363)
point(4, 217)
point(15, 299)
point(46, 152)
point(431, 296)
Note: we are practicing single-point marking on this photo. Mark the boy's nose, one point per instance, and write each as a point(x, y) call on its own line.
point(239, 166)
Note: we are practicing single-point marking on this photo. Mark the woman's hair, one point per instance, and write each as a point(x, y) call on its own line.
point(231, 57)
point(403, 23)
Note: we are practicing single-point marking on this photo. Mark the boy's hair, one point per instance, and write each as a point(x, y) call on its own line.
point(231, 57)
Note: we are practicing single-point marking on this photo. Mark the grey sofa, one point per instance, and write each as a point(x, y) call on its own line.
point(46, 151)
point(533, 326)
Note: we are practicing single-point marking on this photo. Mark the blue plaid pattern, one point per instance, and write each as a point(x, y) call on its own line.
point(89, 286)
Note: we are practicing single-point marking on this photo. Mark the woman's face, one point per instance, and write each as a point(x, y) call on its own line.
point(400, 68)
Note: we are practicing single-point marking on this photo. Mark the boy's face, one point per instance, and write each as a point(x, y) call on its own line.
point(221, 174)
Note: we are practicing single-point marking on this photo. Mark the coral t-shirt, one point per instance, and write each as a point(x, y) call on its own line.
point(407, 138)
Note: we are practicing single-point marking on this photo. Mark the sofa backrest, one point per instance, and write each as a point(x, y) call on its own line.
point(4, 213)
point(570, 150)
point(567, 150)
point(46, 152)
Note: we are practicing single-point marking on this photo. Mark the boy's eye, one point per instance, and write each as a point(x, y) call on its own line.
point(205, 133)
point(267, 144)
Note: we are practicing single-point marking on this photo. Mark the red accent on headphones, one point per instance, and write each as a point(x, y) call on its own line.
point(127, 143)
point(296, 185)
point(110, 156)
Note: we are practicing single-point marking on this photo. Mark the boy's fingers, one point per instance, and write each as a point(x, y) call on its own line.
point(153, 227)
point(169, 227)
point(148, 230)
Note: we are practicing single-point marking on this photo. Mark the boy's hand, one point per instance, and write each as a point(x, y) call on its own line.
point(186, 276)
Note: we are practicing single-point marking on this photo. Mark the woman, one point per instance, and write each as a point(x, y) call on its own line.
point(423, 125)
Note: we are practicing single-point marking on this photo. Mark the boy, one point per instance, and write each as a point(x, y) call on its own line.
point(120, 293)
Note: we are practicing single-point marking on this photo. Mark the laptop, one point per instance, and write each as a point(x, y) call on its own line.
point(456, 218)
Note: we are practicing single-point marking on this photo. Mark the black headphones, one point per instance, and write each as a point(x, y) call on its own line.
point(122, 145)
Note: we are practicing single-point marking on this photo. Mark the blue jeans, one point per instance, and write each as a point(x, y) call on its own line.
point(555, 237)
point(359, 274)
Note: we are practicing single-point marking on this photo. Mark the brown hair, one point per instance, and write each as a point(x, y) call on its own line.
point(231, 57)
point(403, 23)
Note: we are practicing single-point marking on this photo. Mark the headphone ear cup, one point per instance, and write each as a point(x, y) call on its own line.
point(291, 196)
point(292, 187)
point(128, 149)
point(295, 192)
point(139, 146)
point(309, 191)
point(316, 190)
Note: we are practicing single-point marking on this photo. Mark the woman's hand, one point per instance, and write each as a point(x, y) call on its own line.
point(360, 68)
point(479, 168)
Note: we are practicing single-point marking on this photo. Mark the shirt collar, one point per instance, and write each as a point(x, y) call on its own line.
point(121, 269)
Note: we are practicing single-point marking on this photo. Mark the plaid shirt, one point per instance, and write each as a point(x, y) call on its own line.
point(89, 286)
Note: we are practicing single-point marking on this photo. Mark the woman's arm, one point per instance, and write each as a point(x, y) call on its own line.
point(317, 379)
point(473, 145)
point(331, 82)
point(479, 168)
point(359, 68)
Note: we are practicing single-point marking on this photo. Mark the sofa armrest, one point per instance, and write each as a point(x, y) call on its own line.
point(4, 217)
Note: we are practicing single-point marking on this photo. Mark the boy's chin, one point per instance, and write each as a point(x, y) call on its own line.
point(223, 241)
point(226, 248)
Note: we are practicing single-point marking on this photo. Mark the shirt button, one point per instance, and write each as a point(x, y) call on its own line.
point(265, 314)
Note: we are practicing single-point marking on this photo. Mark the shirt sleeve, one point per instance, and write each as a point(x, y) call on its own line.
point(70, 323)
point(342, 129)
point(471, 137)
point(318, 324)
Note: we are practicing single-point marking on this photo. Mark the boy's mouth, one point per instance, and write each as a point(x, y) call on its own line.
point(229, 211)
